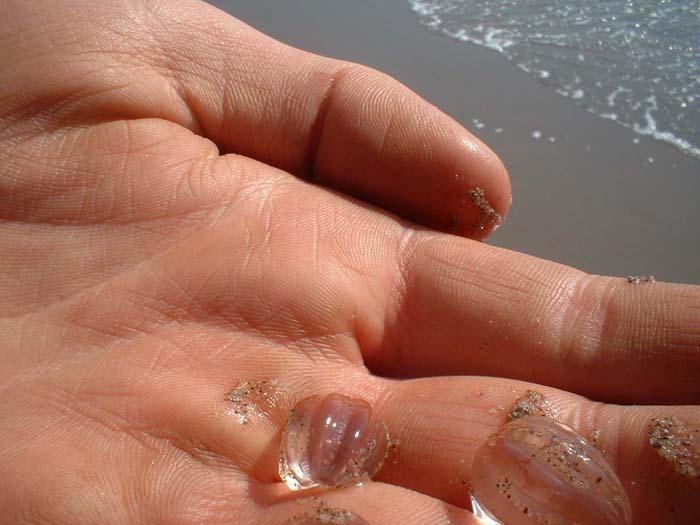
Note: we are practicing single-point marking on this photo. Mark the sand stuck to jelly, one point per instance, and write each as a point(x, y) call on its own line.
point(537, 471)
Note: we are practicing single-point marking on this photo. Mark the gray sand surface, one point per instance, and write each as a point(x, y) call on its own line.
point(592, 199)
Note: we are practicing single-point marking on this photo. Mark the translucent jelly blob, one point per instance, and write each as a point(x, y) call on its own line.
point(331, 441)
point(535, 470)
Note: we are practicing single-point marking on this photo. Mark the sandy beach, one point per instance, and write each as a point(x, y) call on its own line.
point(586, 192)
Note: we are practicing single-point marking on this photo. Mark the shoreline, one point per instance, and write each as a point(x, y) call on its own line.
point(493, 39)
point(588, 192)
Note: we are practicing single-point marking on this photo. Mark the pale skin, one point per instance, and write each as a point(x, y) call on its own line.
point(162, 242)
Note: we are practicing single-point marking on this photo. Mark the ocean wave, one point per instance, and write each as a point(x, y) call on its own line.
point(634, 63)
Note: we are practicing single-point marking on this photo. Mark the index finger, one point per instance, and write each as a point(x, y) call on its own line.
point(459, 307)
point(340, 124)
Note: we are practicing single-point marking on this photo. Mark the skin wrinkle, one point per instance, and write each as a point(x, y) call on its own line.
point(13, 144)
point(377, 101)
point(135, 266)
point(63, 186)
point(236, 77)
point(219, 338)
point(64, 407)
point(599, 415)
point(142, 430)
point(319, 123)
point(51, 361)
point(295, 108)
point(236, 321)
point(153, 444)
point(586, 314)
point(114, 55)
point(642, 342)
point(396, 330)
point(580, 310)
point(265, 209)
point(553, 316)
point(79, 235)
point(126, 175)
point(204, 225)
point(389, 130)
point(60, 112)
point(105, 347)
point(191, 181)
point(386, 346)
point(315, 113)
point(471, 288)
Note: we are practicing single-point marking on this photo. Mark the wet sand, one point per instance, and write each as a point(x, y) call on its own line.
point(598, 196)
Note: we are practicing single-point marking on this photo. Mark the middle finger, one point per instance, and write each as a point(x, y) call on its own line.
point(440, 422)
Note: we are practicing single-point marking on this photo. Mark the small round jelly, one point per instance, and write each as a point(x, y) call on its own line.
point(331, 441)
point(535, 470)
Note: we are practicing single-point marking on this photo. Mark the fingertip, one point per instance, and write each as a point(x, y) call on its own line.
point(480, 196)
point(384, 144)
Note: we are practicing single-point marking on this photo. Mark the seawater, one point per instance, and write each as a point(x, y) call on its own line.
point(633, 62)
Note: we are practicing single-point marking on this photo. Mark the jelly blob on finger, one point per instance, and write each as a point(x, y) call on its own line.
point(330, 441)
point(535, 470)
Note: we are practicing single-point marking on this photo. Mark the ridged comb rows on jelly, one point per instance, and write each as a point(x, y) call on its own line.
point(535, 470)
point(331, 441)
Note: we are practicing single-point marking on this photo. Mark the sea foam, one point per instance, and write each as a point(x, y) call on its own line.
point(636, 63)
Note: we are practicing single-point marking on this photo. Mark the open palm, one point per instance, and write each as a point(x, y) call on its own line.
point(187, 205)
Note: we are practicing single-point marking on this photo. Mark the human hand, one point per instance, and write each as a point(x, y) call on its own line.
point(160, 246)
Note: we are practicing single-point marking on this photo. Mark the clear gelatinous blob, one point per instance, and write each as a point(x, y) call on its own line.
point(331, 441)
point(535, 470)
point(481, 512)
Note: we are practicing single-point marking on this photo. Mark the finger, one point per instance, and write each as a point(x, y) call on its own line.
point(419, 303)
point(459, 307)
point(97, 200)
point(440, 422)
point(343, 125)
point(201, 455)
